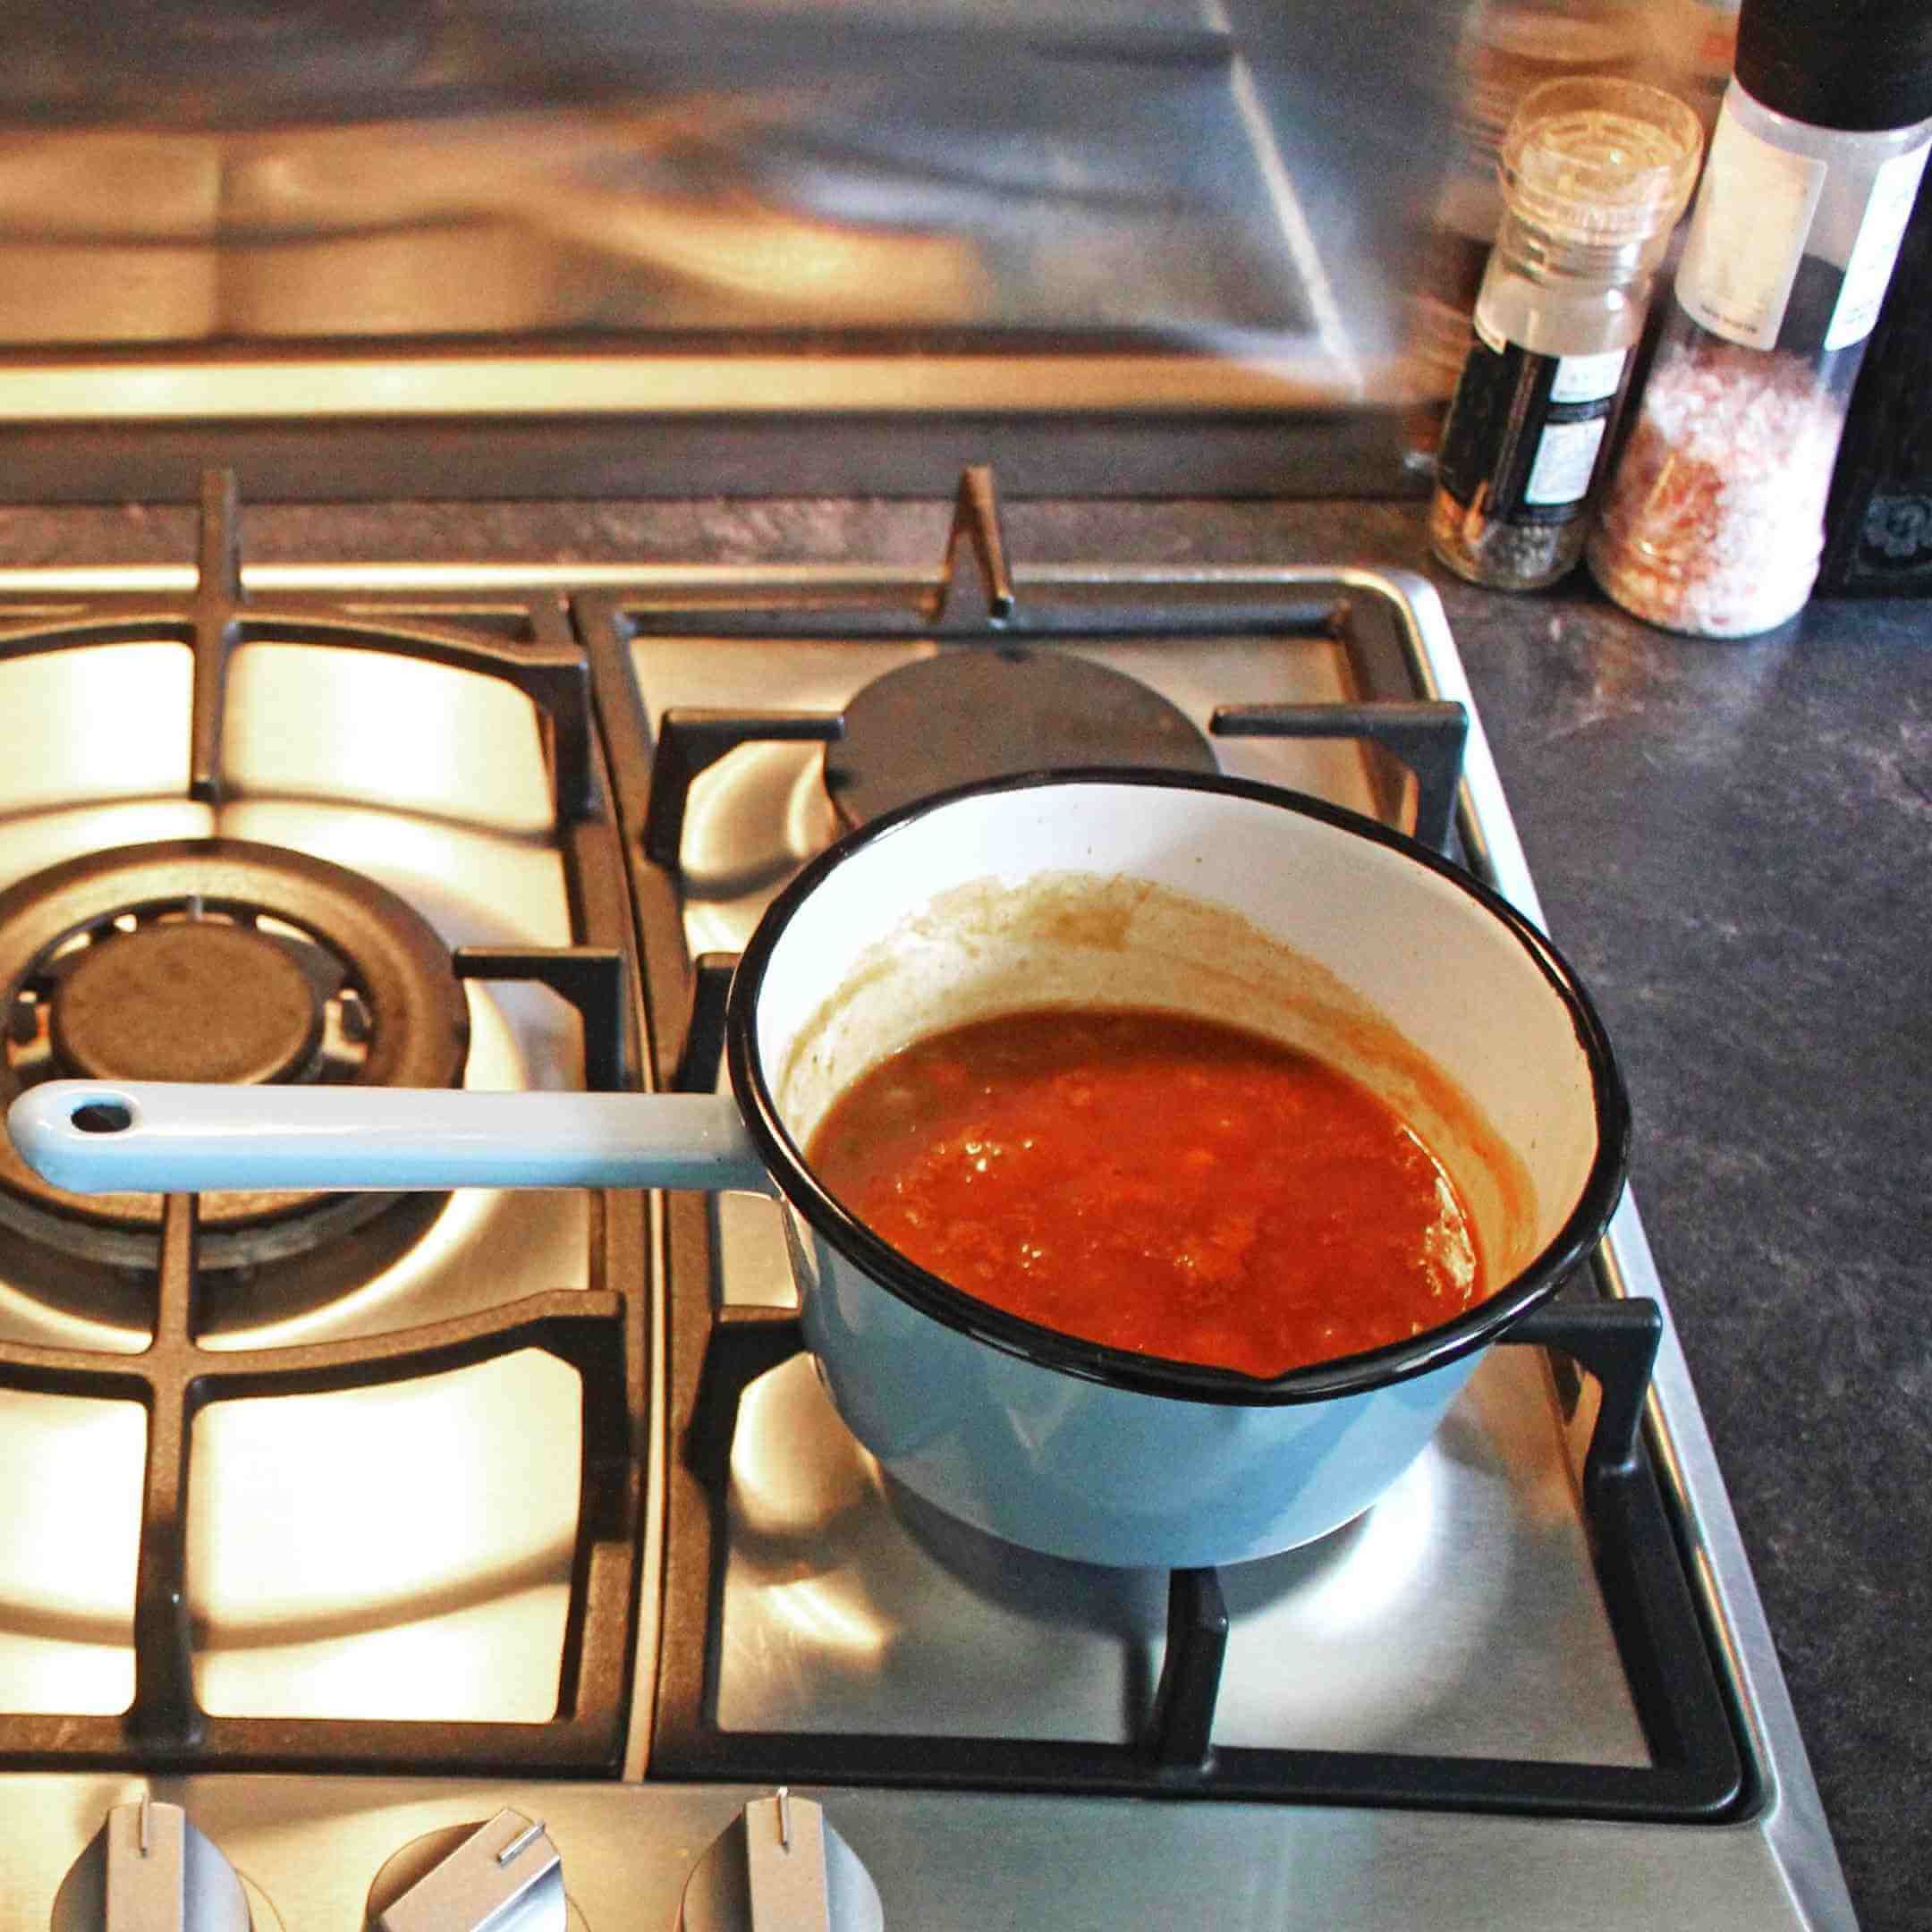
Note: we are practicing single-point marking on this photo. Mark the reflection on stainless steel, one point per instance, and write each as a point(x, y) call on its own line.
point(1080, 195)
point(388, 1553)
point(109, 724)
point(67, 1602)
point(1179, 184)
point(751, 822)
point(1460, 1616)
point(762, 811)
point(308, 723)
point(836, 1618)
point(111, 186)
point(432, 782)
point(121, 296)
point(603, 384)
point(479, 277)
point(304, 182)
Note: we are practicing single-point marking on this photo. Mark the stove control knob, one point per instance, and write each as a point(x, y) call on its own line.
point(148, 1869)
point(505, 1876)
point(779, 1867)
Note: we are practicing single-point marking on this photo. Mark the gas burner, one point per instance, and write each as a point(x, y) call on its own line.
point(213, 960)
point(187, 999)
point(977, 712)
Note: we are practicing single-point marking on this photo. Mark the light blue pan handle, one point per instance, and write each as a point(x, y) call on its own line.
point(139, 1136)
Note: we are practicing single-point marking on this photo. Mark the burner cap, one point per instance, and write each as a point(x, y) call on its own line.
point(191, 1001)
point(970, 714)
point(213, 960)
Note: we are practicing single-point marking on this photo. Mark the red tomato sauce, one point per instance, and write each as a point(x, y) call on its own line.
point(1156, 1183)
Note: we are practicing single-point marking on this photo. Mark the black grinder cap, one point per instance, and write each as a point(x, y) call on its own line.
point(1858, 65)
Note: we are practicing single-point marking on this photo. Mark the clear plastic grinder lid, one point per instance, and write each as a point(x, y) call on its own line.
point(1601, 162)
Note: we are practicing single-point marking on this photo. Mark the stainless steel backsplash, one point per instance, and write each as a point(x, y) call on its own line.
point(1246, 178)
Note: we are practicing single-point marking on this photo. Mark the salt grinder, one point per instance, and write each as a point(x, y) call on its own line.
point(1713, 521)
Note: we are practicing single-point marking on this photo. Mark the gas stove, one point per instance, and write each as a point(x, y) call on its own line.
point(496, 1558)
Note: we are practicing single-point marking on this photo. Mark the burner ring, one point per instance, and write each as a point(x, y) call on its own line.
point(973, 713)
point(329, 976)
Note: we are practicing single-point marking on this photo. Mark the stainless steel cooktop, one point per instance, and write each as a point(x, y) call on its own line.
point(528, 1505)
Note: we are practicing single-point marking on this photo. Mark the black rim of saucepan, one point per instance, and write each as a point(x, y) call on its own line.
point(1049, 1348)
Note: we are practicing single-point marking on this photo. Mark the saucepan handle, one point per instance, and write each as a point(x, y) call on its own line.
point(121, 1137)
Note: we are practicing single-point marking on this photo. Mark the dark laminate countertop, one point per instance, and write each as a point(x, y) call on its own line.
point(1734, 844)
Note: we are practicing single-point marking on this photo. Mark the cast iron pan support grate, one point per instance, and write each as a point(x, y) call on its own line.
point(175, 1380)
point(592, 1331)
point(1425, 734)
point(652, 764)
point(1697, 1770)
point(982, 607)
point(716, 1353)
point(600, 1333)
point(220, 616)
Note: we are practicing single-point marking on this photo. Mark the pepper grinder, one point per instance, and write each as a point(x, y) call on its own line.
point(1595, 172)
